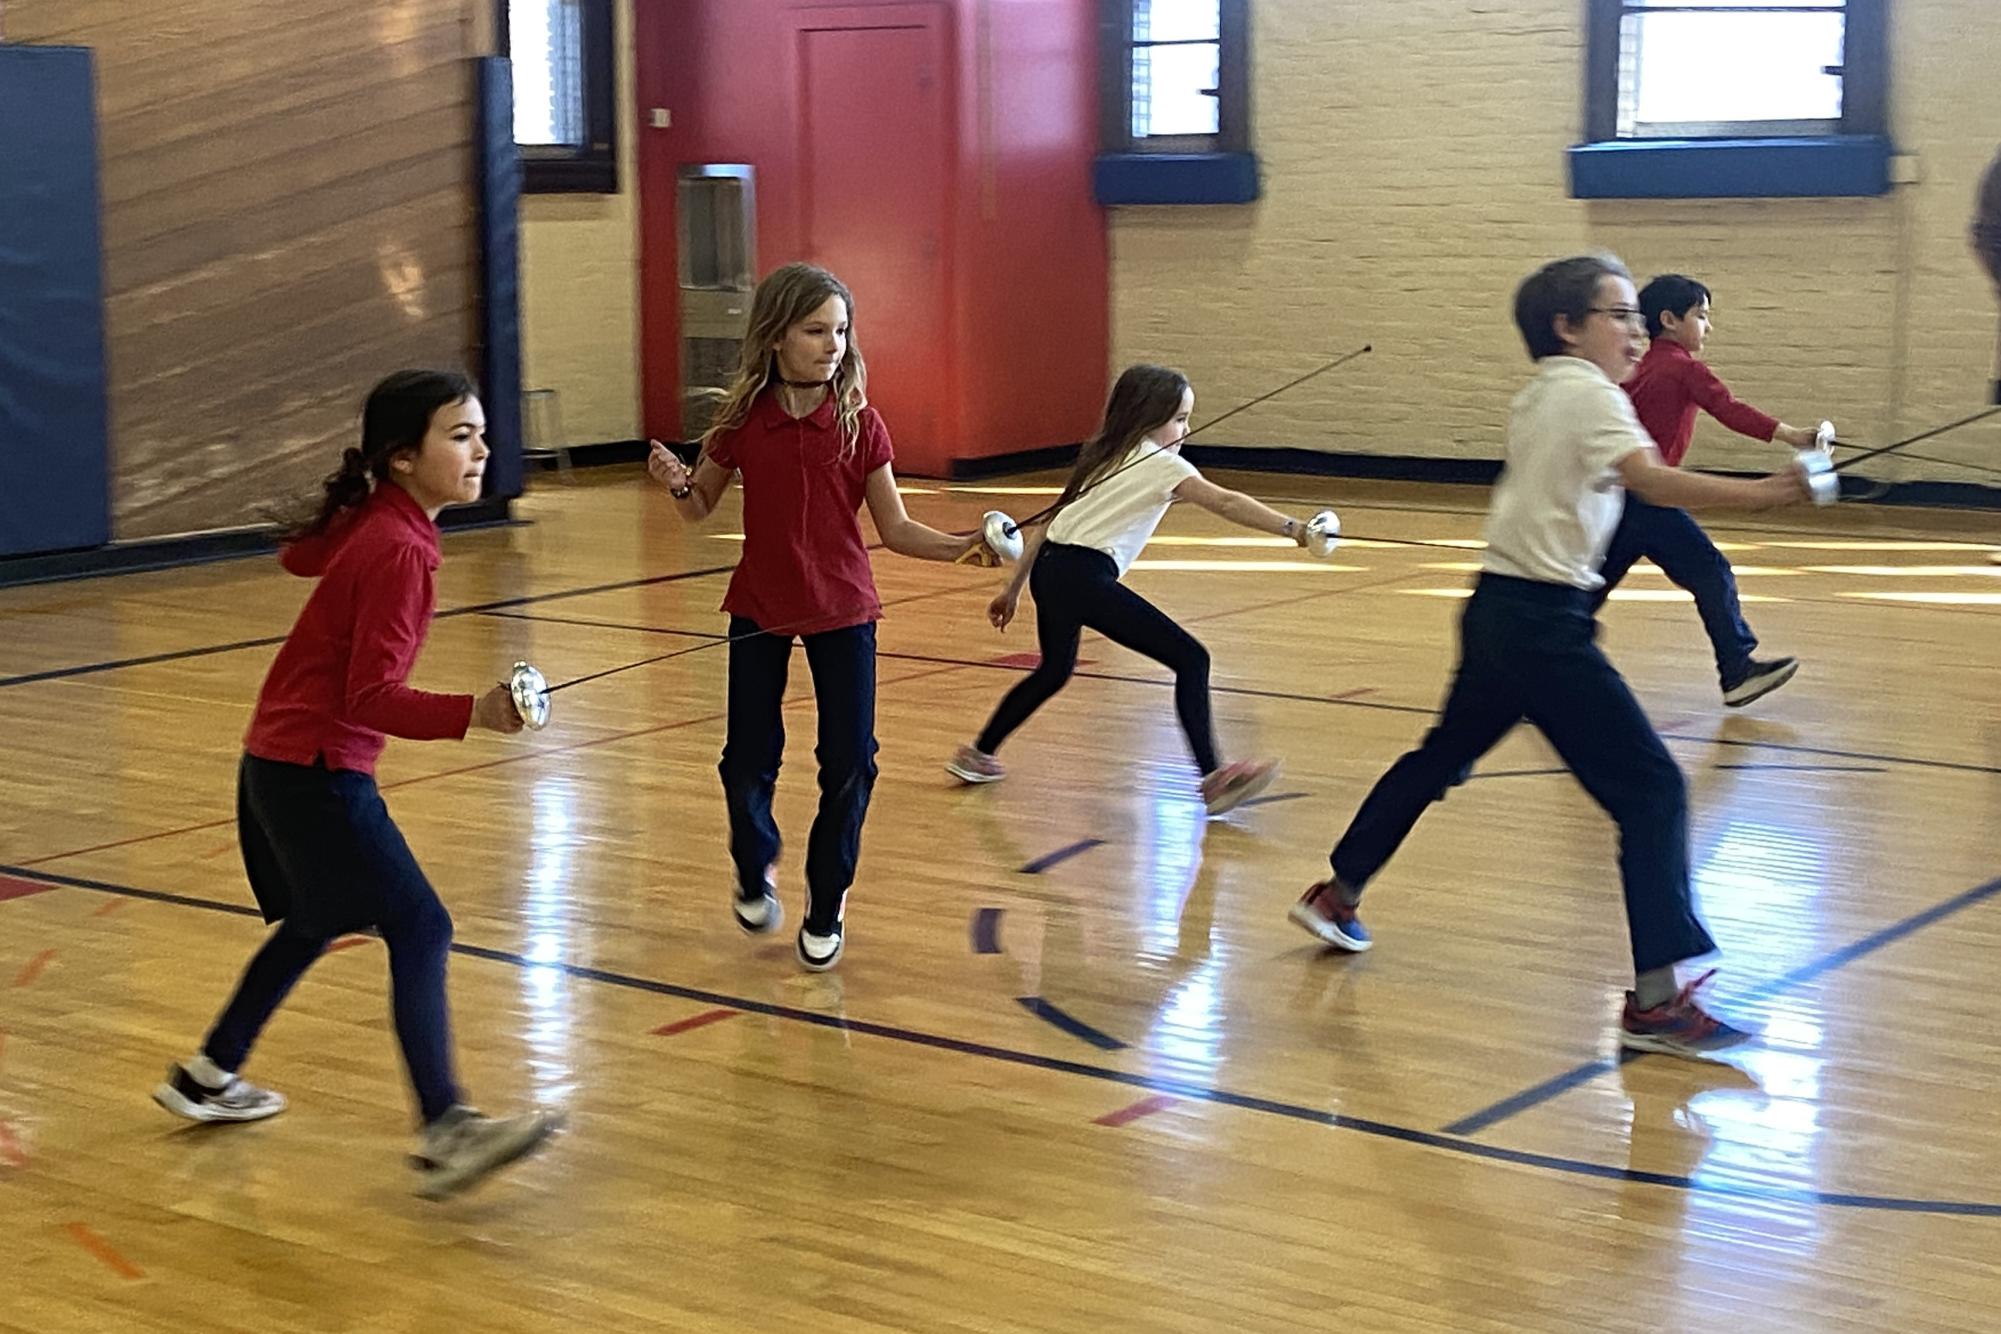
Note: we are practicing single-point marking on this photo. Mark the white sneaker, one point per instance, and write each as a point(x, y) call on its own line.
point(973, 765)
point(819, 953)
point(238, 1100)
point(462, 1146)
point(1234, 784)
point(763, 914)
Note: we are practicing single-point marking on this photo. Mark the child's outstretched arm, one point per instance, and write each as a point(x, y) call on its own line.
point(1714, 397)
point(1654, 482)
point(903, 534)
point(695, 493)
point(1239, 508)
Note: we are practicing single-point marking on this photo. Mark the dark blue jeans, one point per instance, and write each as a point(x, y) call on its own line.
point(1675, 542)
point(843, 667)
point(1528, 650)
point(325, 859)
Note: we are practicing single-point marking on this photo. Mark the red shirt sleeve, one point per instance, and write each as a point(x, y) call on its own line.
point(875, 448)
point(391, 613)
point(722, 450)
point(1715, 398)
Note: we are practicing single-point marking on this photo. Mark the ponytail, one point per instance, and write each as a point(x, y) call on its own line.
point(396, 417)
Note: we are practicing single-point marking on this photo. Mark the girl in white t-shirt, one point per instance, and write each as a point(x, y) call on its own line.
point(1126, 477)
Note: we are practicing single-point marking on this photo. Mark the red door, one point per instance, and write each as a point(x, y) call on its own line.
point(875, 141)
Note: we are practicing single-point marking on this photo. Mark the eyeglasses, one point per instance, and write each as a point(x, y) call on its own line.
point(1624, 314)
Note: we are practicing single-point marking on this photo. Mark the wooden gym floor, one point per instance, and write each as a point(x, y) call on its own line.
point(1076, 1071)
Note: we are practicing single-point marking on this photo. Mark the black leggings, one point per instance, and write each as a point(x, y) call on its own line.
point(1075, 587)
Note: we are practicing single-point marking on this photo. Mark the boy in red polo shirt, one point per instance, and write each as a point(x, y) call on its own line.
point(1667, 389)
point(796, 429)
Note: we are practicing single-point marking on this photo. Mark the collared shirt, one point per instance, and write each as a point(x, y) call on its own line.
point(336, 690)
point(1559, 496)
point(805, 566)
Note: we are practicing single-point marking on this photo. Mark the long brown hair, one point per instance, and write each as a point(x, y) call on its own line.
point(1143, 399)
point(787, 296)
point(396, 417)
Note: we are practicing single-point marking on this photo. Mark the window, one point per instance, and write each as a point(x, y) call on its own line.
point(565, 77)
point(1693, 99)
point(1176, 76)
point(1708, 69)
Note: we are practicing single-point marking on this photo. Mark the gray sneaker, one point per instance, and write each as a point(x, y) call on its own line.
point(462, 1146)
point(238, 1100)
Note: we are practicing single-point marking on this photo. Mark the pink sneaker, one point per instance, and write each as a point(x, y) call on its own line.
point(971, 765)
point(1236, 783)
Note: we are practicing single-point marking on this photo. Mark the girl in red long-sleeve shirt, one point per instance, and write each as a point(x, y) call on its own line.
point(322, 855)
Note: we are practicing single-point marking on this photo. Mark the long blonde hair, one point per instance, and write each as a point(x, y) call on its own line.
point(787, 296)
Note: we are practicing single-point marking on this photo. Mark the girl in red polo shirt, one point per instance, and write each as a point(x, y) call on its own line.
point(796, 427)
point(322, 854)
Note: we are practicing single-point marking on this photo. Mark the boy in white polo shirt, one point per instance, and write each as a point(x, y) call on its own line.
point(1528, 650)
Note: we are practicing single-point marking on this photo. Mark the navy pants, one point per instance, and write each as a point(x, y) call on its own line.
point(843, 667)
point(1673, 540)
point(1529, 650)
point(324, 859)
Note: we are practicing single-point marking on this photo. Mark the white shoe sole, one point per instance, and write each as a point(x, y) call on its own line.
point(1237, 796)
point(973, 776)
point(821, 965)
point(773, 919)
point(1759, 687)
point(443, 1182)
point(208, 1113)
point(1669, 1047)
point(1324, 931)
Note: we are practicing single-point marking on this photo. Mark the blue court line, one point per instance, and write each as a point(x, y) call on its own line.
point(1069, 1023)
point(178, 655)
point(1061, 855)
point(1706, 1185)
point(1517, 1103)
point(986, 931)
point(1245, 691)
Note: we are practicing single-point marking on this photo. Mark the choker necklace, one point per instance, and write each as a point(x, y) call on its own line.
point(803, 384)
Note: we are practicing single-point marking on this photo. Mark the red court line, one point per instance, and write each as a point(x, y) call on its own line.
point(33, 970)
point(111, 907)
point(103, 1250)
point(702, 1020)
point(126, 842)
point(11, 1152)
point(1144, 1107)
point(13, 887)
point(348, 943)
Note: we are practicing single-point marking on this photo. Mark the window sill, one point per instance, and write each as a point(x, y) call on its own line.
point(561, 175)
point(1835, 166)
point(1175, 178)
